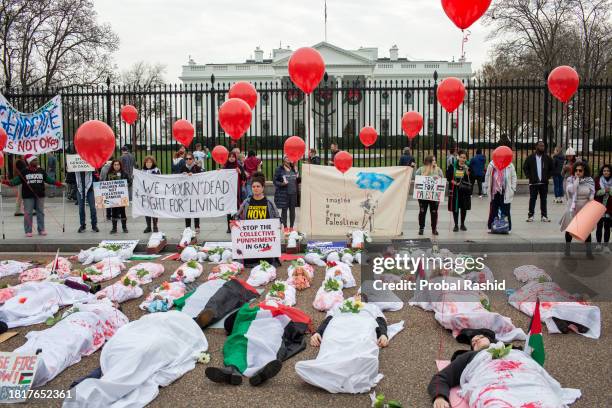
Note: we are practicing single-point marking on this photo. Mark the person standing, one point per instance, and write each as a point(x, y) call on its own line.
point(313, 157)
point(333, 149)
point(538, 168)
point(103, 174)
point(178, 161)
point(285, 193)
point(33, 179)
point(406, 158)
point(19, 166)
point(557, 173)
point(233, 163)
point(85, 194)
point(603, 194)
point(128, 162)
point(500, 186)
point(52, 171)
point(201, 156)
point(579, 190)
point(190, 168)
point(252, 164)
point(460, 198)
point(150, 166)
point(452, 157)
point(570, 160)
point(116, 172)
point(430, 169)
point(477, 170)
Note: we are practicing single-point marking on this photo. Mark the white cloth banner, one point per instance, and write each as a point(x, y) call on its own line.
point(111, 194)
point(203, 195)
point(36, 133)
point(256, 239)
point(429, 188)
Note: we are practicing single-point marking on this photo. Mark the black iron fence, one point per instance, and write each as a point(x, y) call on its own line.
point(514, 113)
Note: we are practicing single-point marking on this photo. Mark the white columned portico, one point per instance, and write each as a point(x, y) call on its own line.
point(339, 107)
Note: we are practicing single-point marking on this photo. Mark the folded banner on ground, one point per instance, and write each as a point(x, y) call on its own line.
point(36, 133)
point(370, 199)
point(203, 195)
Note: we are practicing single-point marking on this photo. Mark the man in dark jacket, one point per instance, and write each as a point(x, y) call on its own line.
point(538, 168)
point(406, 159)
point(477, 169)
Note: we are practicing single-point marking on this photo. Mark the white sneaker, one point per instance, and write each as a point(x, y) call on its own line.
point(530, 219)
point(480, 197)
point(545, 219)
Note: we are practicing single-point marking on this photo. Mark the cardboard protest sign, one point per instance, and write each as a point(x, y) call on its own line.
point(429, 188)
point(16, 375)
point(75, 164)
point(111, 194)
point(202, 195)
point(372, 199)
point(36, 133)
point(256, 239)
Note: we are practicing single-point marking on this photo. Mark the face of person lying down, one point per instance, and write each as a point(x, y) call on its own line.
point(480, 342)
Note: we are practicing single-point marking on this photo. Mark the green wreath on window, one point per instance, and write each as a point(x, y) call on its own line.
point(353, 96)
point(294, 97)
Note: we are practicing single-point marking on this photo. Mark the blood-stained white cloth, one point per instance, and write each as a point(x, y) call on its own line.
point(78, 334)
point(556, 302)
point(35, 302)
point(167, 291)
point(515, 380)
point(8, 268)
point(145, 272)
point(348, 358)
point(34, 274)
point(461, 309)
point(342, 272)
point(262, 274)
point(226, 268)
point(287, 297)
point(525, 273)
point(62, 266)
point(106, 269)
point(143, 355)
point(186, 273)
point(301, 264)
point(325, 300)
point(119, 292)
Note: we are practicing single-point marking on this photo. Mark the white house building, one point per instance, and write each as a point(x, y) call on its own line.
point(364, 88)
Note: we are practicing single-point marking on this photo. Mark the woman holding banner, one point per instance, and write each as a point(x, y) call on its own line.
point(190, 167)
point(233, 163)
point(579, 190)
point(430, 169)
point(458, 175)
point(150, 166)
point(118, 213)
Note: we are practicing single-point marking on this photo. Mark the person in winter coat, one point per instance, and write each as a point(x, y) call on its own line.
point(477, 170)
point(19, 166)
point(150, 166)
point(500, 186)
point(190, 167)
point(85, 194)
point(118, 213)
point(233, 163)
point(252, 164)
point(103, 173)
point(286, 190)
point(603, 194)
point(558, 161)
point(538, 168)
point(459, 178)
point(33, 179)
point(579, 190)
point(430, 169)
point(178, 161)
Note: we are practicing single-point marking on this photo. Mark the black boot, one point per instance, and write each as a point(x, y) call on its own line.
point(589, 250)
point(148, 229)
point(567, 251)
point(124, 225)
point(267, 372)
point(114, 230)
point(225, 375)
point(155, 229)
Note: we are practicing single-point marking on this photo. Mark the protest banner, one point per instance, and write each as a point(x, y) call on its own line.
point(75, 164)
point(256, 239)
point(220, 244)
point(121, 244)
point(112, 193)
point(429, 188)
point(202, 195)
point(369, 199)
point(16, 375)
point(325, 247)
point(36, 133)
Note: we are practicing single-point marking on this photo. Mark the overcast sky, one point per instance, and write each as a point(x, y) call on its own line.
point(221, 31)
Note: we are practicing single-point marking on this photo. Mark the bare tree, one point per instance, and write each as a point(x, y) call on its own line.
point(54, 43)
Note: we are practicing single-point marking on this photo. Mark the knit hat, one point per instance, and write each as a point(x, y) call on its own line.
point(466, 335)
point(29, 158)
point(570, 151)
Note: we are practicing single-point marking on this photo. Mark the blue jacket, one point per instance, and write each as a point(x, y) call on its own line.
point(477, 165)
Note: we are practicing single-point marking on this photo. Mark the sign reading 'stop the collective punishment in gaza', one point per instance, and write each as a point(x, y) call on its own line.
point(203, 195)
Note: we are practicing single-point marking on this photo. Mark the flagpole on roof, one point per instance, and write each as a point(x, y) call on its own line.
point(325, 20)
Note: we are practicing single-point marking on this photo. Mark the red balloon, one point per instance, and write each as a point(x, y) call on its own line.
point(3, 138)
point(306, 69)
point(235, 117)
point(183, 131)
point(412, 123)
point(464, 13)
point(563, 83)
point(343, 161)
point(368, 136)
point(129, 114)
point(220, 154)
point(1, 159)
point(295, 148)
point(451, 93)
point(245, 91)
point(95, 142)
point(502, 157)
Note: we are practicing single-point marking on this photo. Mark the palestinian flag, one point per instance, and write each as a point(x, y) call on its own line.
point(264, 332)
point(534, 344)
point(219, 295)
point(25, 378)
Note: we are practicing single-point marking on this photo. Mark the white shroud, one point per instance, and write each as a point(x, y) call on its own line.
point(143, 355)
